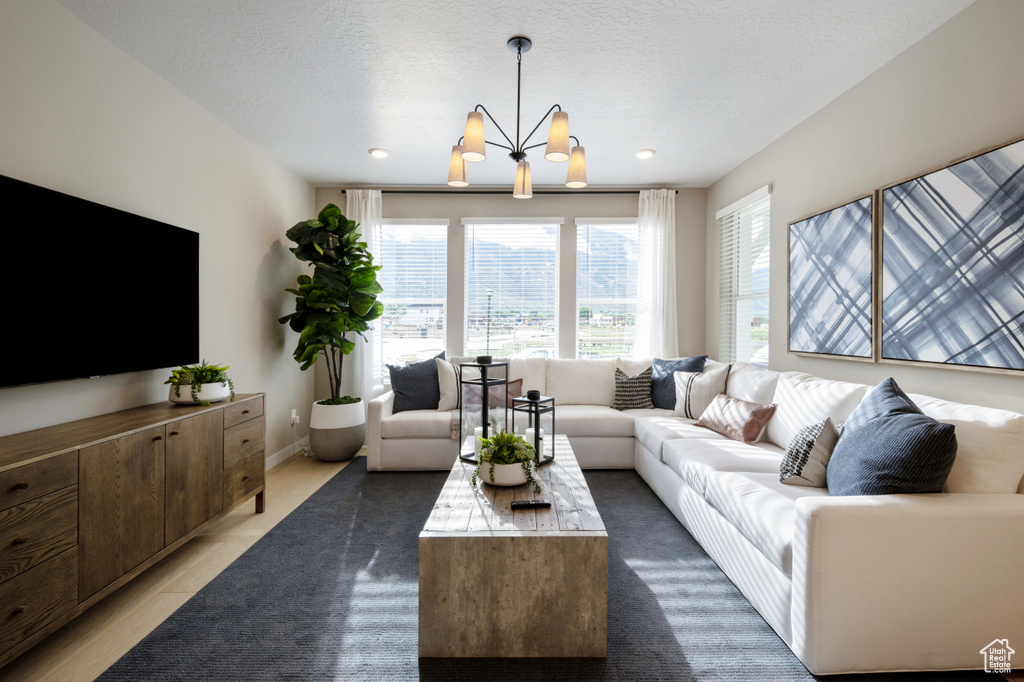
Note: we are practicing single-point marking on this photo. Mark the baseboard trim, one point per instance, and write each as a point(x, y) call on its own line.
point(282, 455)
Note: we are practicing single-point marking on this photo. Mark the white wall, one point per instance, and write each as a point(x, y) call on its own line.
point(78, 115)
point(690, 236)
point(954, 92)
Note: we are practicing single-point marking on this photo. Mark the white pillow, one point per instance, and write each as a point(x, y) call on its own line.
point(581, 382)
point(753, 384)
point(805, 399)
point(448, 382)
point(696, 390)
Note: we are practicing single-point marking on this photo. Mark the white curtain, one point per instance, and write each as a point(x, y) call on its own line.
point(361, 378)
point(657, 334)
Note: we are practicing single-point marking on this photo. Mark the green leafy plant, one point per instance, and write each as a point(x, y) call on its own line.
point(506, 448)
point(197, 375)
point(339, 299)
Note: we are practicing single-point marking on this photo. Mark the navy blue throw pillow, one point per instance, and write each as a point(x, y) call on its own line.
point(663, 384)
point(888, 446)
point(415, 385)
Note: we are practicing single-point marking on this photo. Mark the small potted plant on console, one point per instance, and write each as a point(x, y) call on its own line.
point(509, 460)
point(207, 384)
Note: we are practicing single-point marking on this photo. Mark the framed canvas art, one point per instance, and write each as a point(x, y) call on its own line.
point(831, 294)
point(952, 245)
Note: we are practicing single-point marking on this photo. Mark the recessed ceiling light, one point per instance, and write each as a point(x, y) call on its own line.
point(379, 153)
point(645, 153)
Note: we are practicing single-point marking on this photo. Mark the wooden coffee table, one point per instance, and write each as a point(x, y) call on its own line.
point(494, 582)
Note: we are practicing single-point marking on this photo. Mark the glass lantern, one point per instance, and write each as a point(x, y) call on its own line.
point(483, 410)
point(533, 407)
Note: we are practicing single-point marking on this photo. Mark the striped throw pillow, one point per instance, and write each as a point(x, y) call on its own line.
point(633, 393)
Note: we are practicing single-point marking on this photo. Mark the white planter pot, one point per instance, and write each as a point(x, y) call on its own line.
point(337, 432)
point(504, 474)
point(208, 393)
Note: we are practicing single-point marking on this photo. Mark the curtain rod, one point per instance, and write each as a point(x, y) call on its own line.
point(505, 191)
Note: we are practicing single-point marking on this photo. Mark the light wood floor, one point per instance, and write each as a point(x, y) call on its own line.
point(95, 640)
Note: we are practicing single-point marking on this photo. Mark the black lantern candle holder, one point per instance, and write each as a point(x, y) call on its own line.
point(533, 406)
point(491, 414)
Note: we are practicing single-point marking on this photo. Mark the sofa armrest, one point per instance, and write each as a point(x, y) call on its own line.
point(906, 582)
point(380, 407)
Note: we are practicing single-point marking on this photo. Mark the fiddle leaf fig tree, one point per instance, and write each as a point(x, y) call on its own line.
point(339, 300)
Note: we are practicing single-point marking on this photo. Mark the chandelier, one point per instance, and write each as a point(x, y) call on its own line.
point(472, 146)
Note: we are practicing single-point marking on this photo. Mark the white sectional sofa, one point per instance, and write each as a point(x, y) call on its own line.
point(851, 584)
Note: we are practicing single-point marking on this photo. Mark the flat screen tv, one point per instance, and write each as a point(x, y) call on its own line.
point(87, 290)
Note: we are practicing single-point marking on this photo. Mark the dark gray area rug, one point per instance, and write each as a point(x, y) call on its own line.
point(330, 593)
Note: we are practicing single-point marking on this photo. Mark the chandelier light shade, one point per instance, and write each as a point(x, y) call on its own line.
point(558, 138)
point(524, 187)
point(577, 177)
point(457, 168)
point(473, 146)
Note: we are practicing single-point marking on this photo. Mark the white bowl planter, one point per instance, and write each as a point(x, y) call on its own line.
point(208, 393)
point(504, 474)
point(337, 432)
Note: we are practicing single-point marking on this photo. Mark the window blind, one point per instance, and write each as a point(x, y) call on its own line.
point(414, 260)
point(744, 259)
point(511, 287)
point(607, 257)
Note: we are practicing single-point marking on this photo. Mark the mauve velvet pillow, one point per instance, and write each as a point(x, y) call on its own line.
point(735, 418)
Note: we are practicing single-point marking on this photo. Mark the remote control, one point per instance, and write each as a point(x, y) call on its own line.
point(529, 504)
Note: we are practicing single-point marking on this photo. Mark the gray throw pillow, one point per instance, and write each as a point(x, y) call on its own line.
point(415, 385)
point(633, 393)
point(806, 458)
point(888, 446)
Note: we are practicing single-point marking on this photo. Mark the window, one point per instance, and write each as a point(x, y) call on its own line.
point(511, 286)
point(414, 277)
point(743, 279)
point(607, 251)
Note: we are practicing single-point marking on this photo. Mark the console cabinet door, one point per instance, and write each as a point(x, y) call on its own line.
point(195, 459)
point(121, 507)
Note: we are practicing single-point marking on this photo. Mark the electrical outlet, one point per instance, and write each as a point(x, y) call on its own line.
point(295, 416)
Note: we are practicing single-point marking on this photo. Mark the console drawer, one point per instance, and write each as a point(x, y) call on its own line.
point(37, 530)
point(236, 413)
point(243, 441)
point(242, 478)
point(39, 478)
point(31, 600)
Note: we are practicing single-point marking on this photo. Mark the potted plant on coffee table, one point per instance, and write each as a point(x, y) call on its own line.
point(206, 384)
point(507, 460)
point(336, 303)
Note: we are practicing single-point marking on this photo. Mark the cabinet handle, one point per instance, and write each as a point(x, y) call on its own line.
point(245, 411)
point(245, 441)
point(20, 609)
point(174, 433)
point(156, 438)
point(18, 541)
point(245, 478)
point(20, 486)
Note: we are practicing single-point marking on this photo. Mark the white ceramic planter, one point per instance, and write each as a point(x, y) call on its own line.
point(505, 475)
point(208, 393)
point(337, 432)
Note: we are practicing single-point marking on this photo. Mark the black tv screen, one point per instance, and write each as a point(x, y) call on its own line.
point(88, 290)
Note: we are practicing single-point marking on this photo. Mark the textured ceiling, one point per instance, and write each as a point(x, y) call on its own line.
point(707, 83)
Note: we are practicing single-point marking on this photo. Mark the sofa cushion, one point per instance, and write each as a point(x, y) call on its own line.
point(420, 424)
point(653, 431)
point(762, 509)
point(632, 366)
point(888, 446)
point(592, 420)
point(989, 445)
point(415, 385)
point(804, 399)
point(751, 383)
point(696, 459)
point(581, 382)
point(448, 385)
point(532, 371)
point(735, 418)
point(696, 390)
point(663, 384)
point(633, 392)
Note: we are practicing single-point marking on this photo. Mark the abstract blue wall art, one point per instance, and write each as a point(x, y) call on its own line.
point(830, 294)
point(953, 264)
